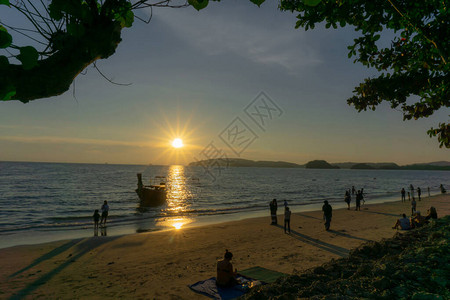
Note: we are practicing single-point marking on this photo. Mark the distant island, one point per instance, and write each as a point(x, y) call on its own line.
point(239, 162)
point(321, 164)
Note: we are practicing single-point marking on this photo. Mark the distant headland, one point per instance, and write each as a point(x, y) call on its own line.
point(321, 164)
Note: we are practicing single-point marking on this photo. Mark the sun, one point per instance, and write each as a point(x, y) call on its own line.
point(177, 143)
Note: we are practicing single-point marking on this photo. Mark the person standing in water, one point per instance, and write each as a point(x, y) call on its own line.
point(403, 192)
point(105, 210)
point(96, 217)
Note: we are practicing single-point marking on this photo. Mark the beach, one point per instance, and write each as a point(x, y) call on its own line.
point(160, 265)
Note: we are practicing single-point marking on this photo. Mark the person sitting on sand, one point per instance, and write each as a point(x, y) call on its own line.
point(432, 214)
point(402, 223)
point(418, 220)
point(226, 277)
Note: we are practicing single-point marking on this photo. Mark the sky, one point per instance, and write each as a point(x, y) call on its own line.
point(232, 80)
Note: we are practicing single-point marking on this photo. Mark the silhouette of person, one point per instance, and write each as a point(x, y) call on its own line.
point(358, 200)
point(96, 217)
point(419, 192)
point(403, 192)
point(353, 190)
point(226, 277)
point(273, 211)
point(327, 214)
point(413, 206)
point(287, 219)
point(105, 210)
point(347, 199)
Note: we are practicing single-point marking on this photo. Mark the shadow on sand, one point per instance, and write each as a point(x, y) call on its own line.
point(348, 235)
point(382, 213)
point(342, 252)
point(79, 248)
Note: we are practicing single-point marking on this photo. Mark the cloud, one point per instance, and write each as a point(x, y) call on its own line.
point(68, 140)
point(266, 37)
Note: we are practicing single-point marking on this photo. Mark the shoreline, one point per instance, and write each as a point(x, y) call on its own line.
point(34, 237)
point(161, 264)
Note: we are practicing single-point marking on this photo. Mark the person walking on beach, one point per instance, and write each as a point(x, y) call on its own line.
point(419, 192)
point(413, 206)
point(358, 200)
point(273, 211)
point(327, 214)
point(411, 187)
point(347, 199)
point(353, 190)
point(105, 210)
point(96, 217)
point(287, 219)
point(403, 192)
point(226, 277)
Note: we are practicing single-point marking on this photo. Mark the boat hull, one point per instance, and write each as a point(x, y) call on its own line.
point(150, 197)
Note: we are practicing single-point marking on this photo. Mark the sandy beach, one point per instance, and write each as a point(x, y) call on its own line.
point(160, 265)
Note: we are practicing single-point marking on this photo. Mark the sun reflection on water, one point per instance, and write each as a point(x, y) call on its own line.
point(178, 194)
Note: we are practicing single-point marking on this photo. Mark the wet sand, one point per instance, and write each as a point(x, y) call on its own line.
point(160, 265)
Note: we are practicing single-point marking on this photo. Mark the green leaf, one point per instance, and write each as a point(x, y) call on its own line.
point(7, 92)
point(5, 38)
point(29, 57)
point(198, 4)
point(312, 2)
point(4, 2)
point(258, 2)
point(125, 20)
point(129, 18)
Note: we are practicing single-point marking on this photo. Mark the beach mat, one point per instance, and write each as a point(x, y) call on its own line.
point(262, 274)
point(209, 288)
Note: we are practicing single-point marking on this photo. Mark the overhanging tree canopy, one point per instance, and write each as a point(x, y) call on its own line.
point(414, 66)
point(76, 33)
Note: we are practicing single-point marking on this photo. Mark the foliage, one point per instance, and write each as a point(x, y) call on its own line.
point(414, 65)
point(411, 265)
point(74, 33)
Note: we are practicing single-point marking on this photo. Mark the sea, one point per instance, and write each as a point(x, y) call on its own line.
point(43, 202)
